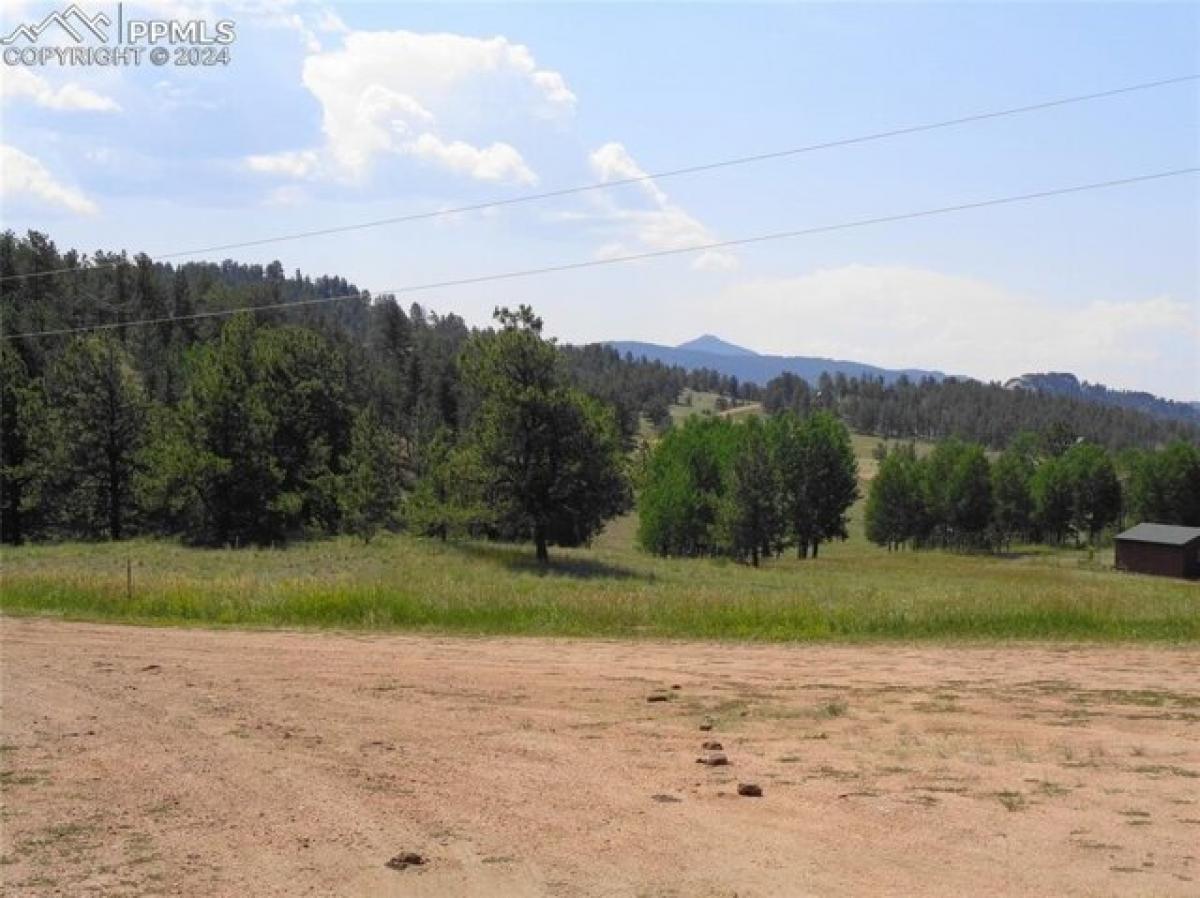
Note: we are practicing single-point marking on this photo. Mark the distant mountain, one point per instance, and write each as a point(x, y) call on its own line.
point(747, 366)
point(715, 345)
point(1062, 384)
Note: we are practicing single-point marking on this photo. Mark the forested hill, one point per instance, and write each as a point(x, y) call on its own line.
point(713, 353)
point(970, 410)
point(1061, 384)
point(304, 371)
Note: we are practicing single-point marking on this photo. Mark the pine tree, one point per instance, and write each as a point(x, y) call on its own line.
point(96, 431)
point(551, 456)
point(22, 416)
point(371, 485)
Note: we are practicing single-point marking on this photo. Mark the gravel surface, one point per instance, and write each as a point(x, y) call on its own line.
point(141, 761)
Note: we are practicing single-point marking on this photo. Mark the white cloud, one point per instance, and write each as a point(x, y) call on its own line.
point(910, 317)
point(426, 96)
point(329, 21)
point(298, 164)
point(659, 225)
point(23, 175)
point(612, 162)
point(498, 162)
point(20, 83)
point(554, 87)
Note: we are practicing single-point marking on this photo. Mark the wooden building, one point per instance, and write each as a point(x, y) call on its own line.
point(1163, 549)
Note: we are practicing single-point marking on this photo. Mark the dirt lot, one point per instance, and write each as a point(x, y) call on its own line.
point(174, 762)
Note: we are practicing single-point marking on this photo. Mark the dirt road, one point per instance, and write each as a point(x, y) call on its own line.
point(174, 762)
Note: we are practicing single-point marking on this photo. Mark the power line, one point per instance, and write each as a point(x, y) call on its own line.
point(653, 254)
point(638, 179)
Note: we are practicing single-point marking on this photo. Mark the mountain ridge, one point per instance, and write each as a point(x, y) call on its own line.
point(747, 365)
point(714, 353)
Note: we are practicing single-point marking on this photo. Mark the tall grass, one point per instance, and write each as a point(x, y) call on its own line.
point(854, 591)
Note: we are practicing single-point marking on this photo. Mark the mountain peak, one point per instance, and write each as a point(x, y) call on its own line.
point(714, 346)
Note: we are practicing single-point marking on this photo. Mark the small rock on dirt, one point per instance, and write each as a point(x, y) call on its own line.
point(712, 745)
point(716, 759)
point(406, 859)
point(658, 697)
point(663, 798)
point(151, 667)
point(750, 790)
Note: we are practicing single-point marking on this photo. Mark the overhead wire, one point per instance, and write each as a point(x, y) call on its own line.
point(633, 257)
point(633, 179)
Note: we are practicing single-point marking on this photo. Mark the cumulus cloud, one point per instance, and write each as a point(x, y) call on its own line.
point(418, 95)
point(902, 317)
point(659, 224)
point(21, 84)
point(22, 175)
point(498, 162)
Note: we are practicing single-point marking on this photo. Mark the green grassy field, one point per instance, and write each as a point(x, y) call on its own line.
point(853, 591)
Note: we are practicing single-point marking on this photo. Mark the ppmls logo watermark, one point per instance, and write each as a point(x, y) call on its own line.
point(71, 37)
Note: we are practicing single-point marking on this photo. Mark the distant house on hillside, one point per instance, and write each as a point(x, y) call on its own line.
point(1163, 549)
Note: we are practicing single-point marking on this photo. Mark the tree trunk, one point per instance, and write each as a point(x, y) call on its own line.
point(539, 539)
point(10, 527)
point(754, 556)
point(114, 504)
point(816, 545)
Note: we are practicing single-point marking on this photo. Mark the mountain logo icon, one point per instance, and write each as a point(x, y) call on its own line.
point(73, 20)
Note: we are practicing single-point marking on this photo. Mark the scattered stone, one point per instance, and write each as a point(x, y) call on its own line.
point(404, 860)
point(151, 667)
point(676, 686)
point(666, 799)
point(716, 759)
point(658, 697)
point(750, 790)
point(712, 745)
point(706, 725)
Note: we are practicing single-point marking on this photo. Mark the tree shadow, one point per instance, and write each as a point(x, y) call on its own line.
point(522, 560)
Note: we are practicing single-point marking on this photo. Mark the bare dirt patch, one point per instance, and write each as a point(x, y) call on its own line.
point(188, 762)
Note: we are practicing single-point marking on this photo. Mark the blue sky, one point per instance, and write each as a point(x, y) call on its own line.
point(331, 114)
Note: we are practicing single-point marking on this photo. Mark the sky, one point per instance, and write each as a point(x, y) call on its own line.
point(338, 113)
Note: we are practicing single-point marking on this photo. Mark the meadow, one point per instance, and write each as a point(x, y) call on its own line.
point(854, 591)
